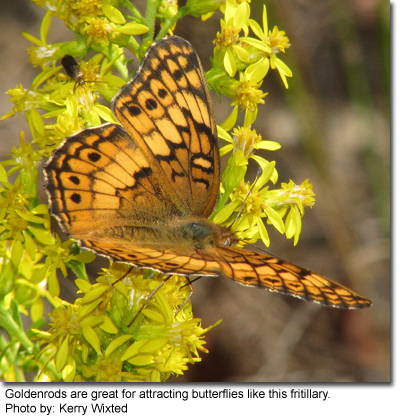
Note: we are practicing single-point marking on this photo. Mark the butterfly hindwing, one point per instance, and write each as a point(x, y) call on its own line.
point(166, 261)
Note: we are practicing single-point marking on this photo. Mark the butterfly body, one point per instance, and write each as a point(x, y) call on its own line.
point(179, 235)
point(141, 192)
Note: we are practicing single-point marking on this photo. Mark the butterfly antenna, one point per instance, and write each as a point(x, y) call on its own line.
point(259, 173)
point(148, 300)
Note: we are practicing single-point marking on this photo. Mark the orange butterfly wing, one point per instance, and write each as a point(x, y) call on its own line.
point(162, 161)
point(269, 272)
point(167, 111)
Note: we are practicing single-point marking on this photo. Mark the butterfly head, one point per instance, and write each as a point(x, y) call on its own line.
point(203, 233)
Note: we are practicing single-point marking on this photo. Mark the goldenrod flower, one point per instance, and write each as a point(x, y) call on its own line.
point(235, 21)
point(247, 93)
point(245, 139)
point(271, 43)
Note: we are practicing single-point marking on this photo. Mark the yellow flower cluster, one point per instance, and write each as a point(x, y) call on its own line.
point(96, 339)
point(115, 331)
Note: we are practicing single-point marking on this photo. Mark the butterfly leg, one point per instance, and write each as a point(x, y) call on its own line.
point(125, 275)
point(148, 299)
point(189, 283)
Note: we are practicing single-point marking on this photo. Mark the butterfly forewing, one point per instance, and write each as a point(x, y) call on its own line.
point(94, 183)
point(268, 272)
point(167, 111)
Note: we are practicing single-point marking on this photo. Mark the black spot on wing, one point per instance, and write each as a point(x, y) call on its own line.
point(133, 109)
point(151, 104)
point(76, 198)
point(162, 93)
point(94, 157)
point(74, 179)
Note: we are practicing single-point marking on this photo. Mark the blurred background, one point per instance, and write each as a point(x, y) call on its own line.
point(334, 127)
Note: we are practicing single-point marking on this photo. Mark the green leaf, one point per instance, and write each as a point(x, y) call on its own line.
point(3, 175)
point(86, 309)
point(242, 15)
point(37, 309)
point(256, 28)
point(117, 343)
point(108, 326)
point(91, 321)
point(275, 219)
point(30, 217)
point(242, 53)
point(132, 350)
point(260, 45)
point(45, 27)
point(113, 14)
point(141, 360)
point(153, 315)
point(62, 355)
point(30, 245)
point(95, 293)
point(105, 113)
point(257, 71)
point(17, 252)
point(36, 122)
point(132, 28)
point(83, 285)
point(8, 273)
point(85, 257)
point(43, 236)
point(72, 106)
point(113, 80)
point(14, 311)
point(68, 373)
point(230, 63)
point(39, 275)
point(262, 230)
point(54, 287)
point(78, 268)
point(92, 338)
point(153, 345)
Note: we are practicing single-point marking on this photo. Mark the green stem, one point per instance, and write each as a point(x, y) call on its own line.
point(119, 61)
point(151, 11)
point(13, 329)
point(134, 10)
point(169, 24)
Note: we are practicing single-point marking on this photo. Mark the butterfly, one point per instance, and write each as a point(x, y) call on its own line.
point(73, 69)
point(141, 192)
